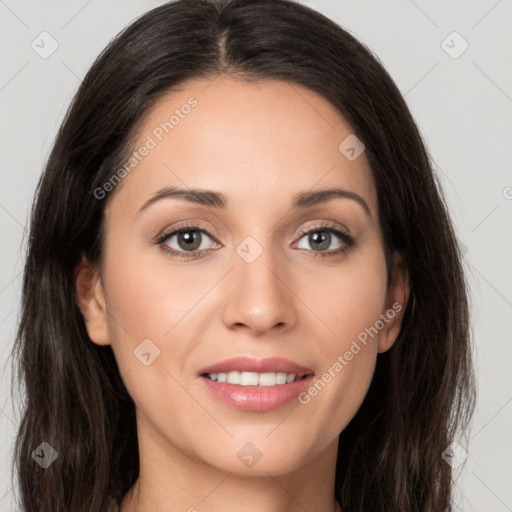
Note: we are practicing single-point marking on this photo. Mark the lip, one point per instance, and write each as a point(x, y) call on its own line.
point(248, 364)
point(256, 398)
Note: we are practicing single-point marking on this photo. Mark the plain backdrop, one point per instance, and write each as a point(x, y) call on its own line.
point(459, 89)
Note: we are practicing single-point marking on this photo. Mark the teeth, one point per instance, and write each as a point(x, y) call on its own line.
point(280, 378)
point(233, 378)
point(253, 378)
point(248, 379)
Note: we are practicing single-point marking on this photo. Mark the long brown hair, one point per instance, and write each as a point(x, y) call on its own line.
point(422, 395)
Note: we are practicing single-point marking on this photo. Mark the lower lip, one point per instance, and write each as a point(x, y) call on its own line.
point(256, 398)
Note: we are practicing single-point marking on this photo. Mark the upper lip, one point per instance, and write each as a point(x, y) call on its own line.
point(248, 364)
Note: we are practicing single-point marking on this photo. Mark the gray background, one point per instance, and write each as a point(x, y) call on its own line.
point(463, 107)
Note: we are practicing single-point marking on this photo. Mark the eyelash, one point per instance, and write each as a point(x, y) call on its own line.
point(348, 241)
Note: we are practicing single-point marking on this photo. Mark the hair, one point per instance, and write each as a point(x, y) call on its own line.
point(423, 391)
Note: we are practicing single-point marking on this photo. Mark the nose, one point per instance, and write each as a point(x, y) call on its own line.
point(259, 297)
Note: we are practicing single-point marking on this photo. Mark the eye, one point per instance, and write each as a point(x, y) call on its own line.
point(190, 241)
point(185, 239)
point(320, 238)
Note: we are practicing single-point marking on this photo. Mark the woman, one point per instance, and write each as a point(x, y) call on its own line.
point(243, 290)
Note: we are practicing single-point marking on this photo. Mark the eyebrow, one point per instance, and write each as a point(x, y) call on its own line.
point(213, 199)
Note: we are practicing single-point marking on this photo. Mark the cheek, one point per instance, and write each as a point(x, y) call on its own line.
point(147, 295)
point(347, 299)
point(142, 310)
point(348, 347)
point(354, 381)
point(341, 386)
point(149, 307)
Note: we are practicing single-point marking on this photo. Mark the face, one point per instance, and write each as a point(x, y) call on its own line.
point(259, 267)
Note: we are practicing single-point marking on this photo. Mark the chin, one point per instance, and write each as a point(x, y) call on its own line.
point(257, 458)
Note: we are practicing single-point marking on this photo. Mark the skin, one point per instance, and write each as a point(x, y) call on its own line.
point(258, 143)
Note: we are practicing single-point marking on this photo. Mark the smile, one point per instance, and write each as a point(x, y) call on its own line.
point(255, 385)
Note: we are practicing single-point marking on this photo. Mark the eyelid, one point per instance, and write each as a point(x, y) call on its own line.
point(183, 226)
point(319, 224)
point(325, 224)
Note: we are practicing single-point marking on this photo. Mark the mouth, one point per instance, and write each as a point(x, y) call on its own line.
point(255, 384)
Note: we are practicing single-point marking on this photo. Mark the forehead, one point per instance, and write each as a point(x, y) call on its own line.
point(254, 141)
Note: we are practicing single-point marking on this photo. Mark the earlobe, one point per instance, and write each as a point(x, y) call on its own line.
point(91, 301)
point(398, 296)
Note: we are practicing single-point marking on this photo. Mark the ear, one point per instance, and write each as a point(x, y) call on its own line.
point(397, 298)
point(91, 301)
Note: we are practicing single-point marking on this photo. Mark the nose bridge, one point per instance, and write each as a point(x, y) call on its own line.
point(258, 296)
point(257, 268)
